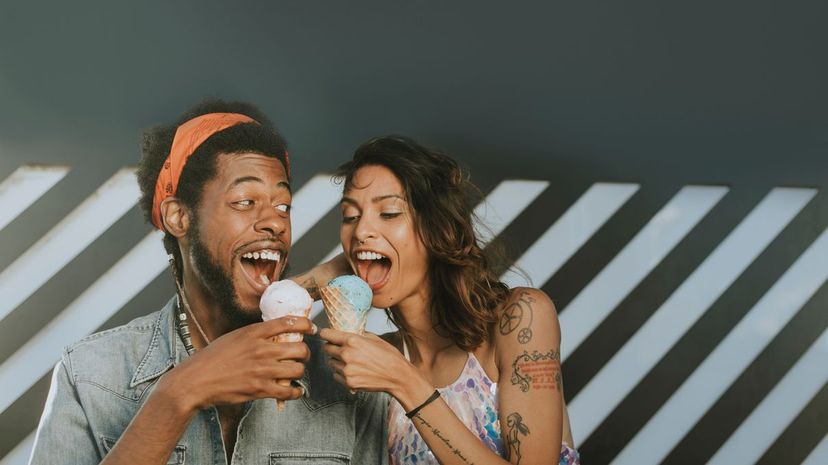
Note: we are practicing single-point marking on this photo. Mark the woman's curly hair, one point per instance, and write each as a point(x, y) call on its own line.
point(465, 290)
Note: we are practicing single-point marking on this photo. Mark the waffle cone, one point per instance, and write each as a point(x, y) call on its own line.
point(288, 337)
point(342, 315)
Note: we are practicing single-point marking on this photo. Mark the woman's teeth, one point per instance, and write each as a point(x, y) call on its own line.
point(365, 255)
point(263, 255)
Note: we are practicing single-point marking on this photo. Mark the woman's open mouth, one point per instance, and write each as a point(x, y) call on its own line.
point(373, 268)
point(261, 267)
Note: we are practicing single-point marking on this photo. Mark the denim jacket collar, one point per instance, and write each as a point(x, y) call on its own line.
point(165, 347)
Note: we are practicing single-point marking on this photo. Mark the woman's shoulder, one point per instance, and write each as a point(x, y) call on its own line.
point(523, 299)
point(526, 319)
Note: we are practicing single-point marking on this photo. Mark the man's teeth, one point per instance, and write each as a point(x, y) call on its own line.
point(365, 255)
point(263, 255)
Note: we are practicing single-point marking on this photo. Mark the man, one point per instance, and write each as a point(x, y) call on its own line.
point(197, 381)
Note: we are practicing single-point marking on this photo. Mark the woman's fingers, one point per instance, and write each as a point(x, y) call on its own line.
point(334, 351)
point(339, 379)
point(334, 336)
point(337, 366)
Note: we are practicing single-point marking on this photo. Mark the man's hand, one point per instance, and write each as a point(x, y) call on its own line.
point(241, 365)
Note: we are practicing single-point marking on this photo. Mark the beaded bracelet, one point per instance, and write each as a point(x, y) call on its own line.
point(431, 399)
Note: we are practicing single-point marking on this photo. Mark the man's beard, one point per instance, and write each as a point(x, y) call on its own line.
point(219, 284)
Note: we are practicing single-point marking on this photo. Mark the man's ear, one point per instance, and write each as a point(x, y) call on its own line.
point(176, 217)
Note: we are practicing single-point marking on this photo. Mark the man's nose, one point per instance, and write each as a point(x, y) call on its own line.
point(273, 222)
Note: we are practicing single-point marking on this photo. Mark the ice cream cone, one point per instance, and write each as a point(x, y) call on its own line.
point(285, 298)
point(341, 313)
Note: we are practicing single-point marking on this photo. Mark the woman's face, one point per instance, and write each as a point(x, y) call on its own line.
point(379, 238)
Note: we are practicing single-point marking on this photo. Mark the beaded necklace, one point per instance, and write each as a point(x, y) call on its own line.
point(183, 308)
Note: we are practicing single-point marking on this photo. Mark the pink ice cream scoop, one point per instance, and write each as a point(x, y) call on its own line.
point(285, 298)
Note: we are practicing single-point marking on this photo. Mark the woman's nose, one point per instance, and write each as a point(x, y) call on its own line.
point(364, 231)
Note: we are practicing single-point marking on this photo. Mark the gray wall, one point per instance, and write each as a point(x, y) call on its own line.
point(721, 95)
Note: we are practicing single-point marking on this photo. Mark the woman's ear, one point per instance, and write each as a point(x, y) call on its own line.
point(176, 217)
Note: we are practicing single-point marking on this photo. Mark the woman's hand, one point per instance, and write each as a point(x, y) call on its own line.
point(368, 363)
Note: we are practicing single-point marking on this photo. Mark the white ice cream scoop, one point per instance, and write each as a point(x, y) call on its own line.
point(285, 298)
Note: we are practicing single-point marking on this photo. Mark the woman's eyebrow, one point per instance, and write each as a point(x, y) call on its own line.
point(380, 198)
point(376, 199)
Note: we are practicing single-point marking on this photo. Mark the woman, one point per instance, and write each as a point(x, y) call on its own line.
point(493, 351)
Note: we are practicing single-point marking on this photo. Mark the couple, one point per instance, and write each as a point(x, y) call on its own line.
point(195, 382)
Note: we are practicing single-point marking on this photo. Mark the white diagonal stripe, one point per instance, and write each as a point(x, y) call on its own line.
point(98, 303)
point(684, 306)
point(503, 204)
point(23, 187)
point(67, 239)
point(21, 452)
point(819, 455)
point(730, 358)
point(779, 408)
point(570, 232)
point(638, 258)
point(333, 253)
point(134, 271)
point(311, 203)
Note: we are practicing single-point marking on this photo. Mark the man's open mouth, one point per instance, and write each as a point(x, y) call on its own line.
point(261, 266)
point(373, 268)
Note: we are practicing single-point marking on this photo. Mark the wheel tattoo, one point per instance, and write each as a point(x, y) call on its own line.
point(525, 335)
point(511, 319)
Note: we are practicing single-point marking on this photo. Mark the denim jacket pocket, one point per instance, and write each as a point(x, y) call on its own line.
point(178, 456)
point(305, 458)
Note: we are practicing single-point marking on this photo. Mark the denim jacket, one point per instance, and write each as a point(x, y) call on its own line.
point(101, 382)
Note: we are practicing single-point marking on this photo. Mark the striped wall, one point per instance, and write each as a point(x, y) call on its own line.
point(694, 317)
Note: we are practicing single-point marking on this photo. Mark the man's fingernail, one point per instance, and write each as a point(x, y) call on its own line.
point(290, 321)
point(314, 329)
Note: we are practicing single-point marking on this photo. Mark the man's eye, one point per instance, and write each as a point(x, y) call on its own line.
point(283, 207)
point(243, 203)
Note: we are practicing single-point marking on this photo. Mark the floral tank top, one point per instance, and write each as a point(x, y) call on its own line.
point(473, 398)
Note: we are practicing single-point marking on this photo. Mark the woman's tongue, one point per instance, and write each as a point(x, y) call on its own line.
point(374, 272)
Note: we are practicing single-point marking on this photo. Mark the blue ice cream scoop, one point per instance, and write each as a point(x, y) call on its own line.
point(357, 291)
point(347, 300)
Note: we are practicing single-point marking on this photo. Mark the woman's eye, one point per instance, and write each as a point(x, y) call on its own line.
point(389, 215)
point(283, 207)
point(349, 219)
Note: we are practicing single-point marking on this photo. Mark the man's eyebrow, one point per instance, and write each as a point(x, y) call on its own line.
point(244, 179)
point(376, 199)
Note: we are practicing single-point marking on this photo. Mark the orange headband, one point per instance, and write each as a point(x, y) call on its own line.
point(187, 138)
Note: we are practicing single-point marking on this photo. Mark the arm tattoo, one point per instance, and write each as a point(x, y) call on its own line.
point(312, 288)
point(514, 316)
point(436, 432)
point(516, 428)
point(537, 370)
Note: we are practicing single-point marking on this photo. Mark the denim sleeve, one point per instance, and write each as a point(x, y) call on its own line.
point(64, 435)
point(371, 444)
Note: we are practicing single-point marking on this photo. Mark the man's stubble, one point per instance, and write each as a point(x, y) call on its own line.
point(218, 282)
